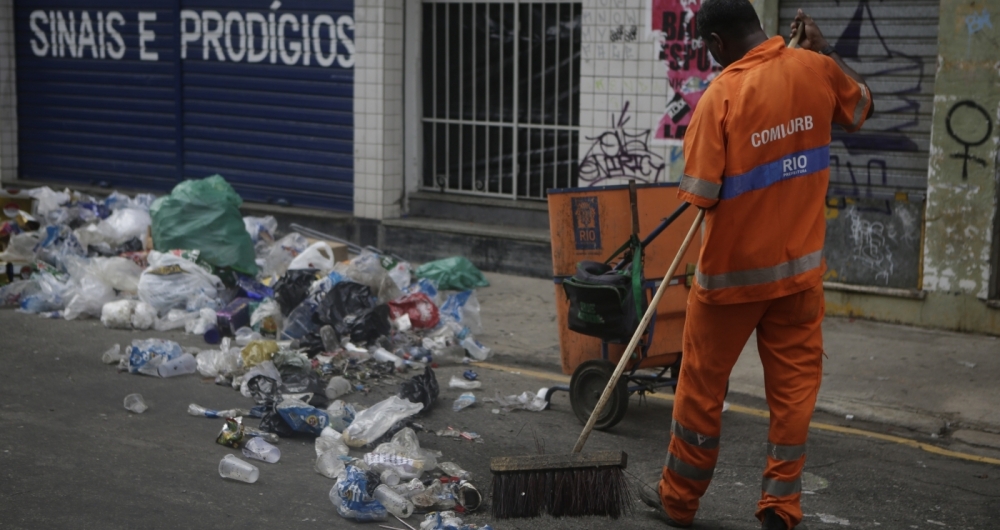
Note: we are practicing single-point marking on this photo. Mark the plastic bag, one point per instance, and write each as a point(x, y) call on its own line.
point(121, 274)
point(50, 293)
point(144, 316)
point(421, 388)
point(349, 308)
point(463, 401)
point(367, 269)
point(213, 363)
point(261, 227)
point(145, 356)
point(399, 271)
point(317, 256)
point(463, 308)
point(524, 401)
point(58, 246)
point(118, 314)
point(329, 464)
point(403, 455)
point(205, 321)
point(300, 323)
point(302, 417)
point(11, 294)
point(204, 214)
point(341, 415)
point(293, 288)
point(369, 425)
point(258, 351)
point(419, 307)
point(123, 225)
point(352, 498)
point(89, 294)
point(455, 273)
point(48, 199)
point(21, 247)
point(173, 282)
point(278, 256)
point(266, 318)
point(174, 319)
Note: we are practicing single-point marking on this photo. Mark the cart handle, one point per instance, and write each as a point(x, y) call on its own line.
point(657, 231)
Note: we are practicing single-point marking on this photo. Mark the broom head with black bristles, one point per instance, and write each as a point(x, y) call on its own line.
point(571, 485)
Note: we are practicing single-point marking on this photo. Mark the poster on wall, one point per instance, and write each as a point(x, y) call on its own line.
point(689, 65)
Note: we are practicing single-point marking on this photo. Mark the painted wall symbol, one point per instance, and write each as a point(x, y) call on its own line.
point(618, 154)
point(868, 240)
point(968, 142)
point(586, 223)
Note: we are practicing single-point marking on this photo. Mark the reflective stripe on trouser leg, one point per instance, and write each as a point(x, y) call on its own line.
point(714, 337)
point(790, 342)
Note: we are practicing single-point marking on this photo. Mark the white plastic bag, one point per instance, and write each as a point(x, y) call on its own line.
point(21, 247)
point(172, 282)
point(257, 226)
point(367, 269)
point(174, 319)
point(319, 256)
point(278, 256)
point(206, 320)
point(330, 440)
point(403, 455)
point(118, 314)
point(369, 425)
point(89, 294)
point(48, 199)
point(213, 363)
point(144, 316)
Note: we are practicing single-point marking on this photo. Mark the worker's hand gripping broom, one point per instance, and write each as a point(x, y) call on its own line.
point(578, 483)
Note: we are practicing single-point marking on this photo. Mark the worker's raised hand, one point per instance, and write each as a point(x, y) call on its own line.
point(809, 36)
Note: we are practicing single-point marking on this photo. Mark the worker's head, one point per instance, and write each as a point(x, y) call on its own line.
point(730, 28)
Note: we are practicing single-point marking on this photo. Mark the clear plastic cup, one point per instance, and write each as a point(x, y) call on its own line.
point(185, 364)
point(395, 503)
point(258, 449)
point(233, 468)
point(389, 477)
point(135, 403)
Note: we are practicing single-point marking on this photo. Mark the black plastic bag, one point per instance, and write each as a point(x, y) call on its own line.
point(301, 382)
point(293, 288)
point(311, 343)
point(371, 325)
point(421, 388)
point(345, 299)
point(350, 309)
point(266, 394)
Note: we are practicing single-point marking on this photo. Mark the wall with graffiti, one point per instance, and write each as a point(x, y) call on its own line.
point(961, 247)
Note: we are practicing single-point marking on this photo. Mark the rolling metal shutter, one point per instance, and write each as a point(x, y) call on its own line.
point(90, 110)
point(893, 44)
point(260, 92)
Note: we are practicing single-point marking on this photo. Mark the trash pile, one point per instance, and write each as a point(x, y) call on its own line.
point(293, 323)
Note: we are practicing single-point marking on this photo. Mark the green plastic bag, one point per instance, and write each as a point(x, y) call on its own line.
point(204, 215)
point(454, 273)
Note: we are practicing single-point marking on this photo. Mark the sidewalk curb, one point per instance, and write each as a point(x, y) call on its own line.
point(916, 421)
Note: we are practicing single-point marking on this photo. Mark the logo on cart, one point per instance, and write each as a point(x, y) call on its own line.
point(586, 223)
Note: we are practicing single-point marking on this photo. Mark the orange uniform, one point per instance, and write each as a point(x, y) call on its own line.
point(757, 158)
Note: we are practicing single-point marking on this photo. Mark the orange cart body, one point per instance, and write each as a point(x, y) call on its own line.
point(590, 224)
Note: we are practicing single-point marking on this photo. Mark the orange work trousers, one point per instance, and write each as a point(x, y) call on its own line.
point(790, 342)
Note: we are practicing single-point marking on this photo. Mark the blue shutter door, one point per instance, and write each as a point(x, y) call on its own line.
point(92, 108)
point(267, 109)
point(259, 92)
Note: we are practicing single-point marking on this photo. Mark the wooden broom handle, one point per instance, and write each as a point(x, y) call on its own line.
point(638, 333)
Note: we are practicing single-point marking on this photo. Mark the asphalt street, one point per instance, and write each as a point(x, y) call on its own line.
point(71, 456)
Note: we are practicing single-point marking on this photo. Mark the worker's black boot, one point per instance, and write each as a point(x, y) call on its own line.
point(651, 497)
point(773, 521)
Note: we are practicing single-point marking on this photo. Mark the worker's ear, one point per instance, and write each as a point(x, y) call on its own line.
point(716, 47)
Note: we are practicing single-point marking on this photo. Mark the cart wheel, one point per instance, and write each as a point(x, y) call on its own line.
point(585, 389)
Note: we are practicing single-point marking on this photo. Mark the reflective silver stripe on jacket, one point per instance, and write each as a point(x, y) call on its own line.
point(693, 438)
point(758, 276)
point(860, 108)
point(785, 453)
point(687, 470)
point(780, 488)
point(701, 188)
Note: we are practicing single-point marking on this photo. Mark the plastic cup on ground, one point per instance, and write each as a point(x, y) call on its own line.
point(258, 449)
point(233, 468)
point(135, 403)
point(389, 477)
point(185, 364)
point(393, 502)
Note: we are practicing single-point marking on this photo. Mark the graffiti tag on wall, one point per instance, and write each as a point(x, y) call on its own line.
point(616, 154)
point(968, 139)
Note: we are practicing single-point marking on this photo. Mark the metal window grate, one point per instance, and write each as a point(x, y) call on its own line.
point(501, 101)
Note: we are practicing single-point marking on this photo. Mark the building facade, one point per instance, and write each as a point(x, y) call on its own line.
point(398, 110)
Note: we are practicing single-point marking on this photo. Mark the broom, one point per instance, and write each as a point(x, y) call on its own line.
point(576, 484)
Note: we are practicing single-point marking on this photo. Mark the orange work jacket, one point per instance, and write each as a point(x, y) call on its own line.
point(757, 157)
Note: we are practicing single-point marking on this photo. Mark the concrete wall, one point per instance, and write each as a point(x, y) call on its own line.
point(8, 94)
